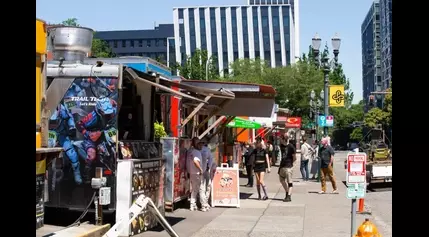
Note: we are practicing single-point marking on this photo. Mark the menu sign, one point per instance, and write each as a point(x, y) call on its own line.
point(225, 188)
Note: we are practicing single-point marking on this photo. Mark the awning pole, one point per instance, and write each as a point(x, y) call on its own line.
point(229, 119)
point(216, 123)
point(242, 130)
point(214, 112)
point(269, 130)
point(195, 111)
point(259, 134)
point(134, 76)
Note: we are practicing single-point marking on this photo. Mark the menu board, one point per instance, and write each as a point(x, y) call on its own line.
point(225, 187)
point(134, 178)
point(40, 187)
point(146, 176)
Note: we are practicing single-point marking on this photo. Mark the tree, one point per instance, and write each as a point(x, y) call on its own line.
point(375, 116)
point(381, 116)
point(247, 71)
point(160, 59)
point(100, 48)
point(194, 66)
point(70, 22)
point(357, 134)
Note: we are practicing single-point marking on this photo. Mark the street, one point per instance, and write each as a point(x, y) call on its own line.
point(308, 215)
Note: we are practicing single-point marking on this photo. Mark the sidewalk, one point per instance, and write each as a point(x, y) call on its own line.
point(308, 215)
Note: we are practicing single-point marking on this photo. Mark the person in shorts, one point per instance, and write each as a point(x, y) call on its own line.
point(286, 168)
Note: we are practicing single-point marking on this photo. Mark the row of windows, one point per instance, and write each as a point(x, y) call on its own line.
point(155, 56)
point(265, 23)
point(268, 2)
point(137, 43)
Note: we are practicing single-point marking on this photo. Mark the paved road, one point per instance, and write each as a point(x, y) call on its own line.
point(308, 215)
point(378, 200)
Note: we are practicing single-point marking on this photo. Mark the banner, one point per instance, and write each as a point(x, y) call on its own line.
point(225, 188)
point(336, 96)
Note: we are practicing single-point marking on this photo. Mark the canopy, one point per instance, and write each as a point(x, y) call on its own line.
point(243, 123)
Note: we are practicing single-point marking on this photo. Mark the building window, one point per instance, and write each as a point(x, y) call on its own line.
point(264, 21)
point(275, 21)
point(148, 43)
point(124, 43)
point(132, 43)
point(157, 43)
point(115, 44)
point(286, 21)
point(277, 38)
point(165, 43)
point(140, 43)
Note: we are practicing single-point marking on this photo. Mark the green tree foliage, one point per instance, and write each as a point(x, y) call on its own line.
point(194, 66)
point(381, 116)
point(247, 71)
point(100, 48)
point(343, 117)
point(356, 135)
point(71, 22)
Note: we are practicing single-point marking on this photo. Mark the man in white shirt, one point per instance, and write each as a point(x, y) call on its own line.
point(206, 164)
point(195, 171)
point(306, 155)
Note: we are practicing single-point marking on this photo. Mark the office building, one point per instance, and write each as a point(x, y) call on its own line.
point(265, 29)
point(147, 43)
point(371, 58)
point(386, 42)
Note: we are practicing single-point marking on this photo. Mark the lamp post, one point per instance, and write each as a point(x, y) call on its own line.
point(314, 110)
point(315, 104)
point(207, 67)
point(326, 66)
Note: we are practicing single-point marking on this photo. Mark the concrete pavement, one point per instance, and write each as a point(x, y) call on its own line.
point(308, 215)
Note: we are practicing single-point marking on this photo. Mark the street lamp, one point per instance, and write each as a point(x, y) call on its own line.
point(314, 110)
point(326, 65)
point(315, 104)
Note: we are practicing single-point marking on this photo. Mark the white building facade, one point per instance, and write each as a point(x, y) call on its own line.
point(265, 29)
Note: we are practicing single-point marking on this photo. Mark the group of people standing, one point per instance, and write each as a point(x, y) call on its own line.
point(322, 159)
point(201, 169)
point(257, 161)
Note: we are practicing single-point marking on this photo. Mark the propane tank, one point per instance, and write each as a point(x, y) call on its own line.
point(367, 229)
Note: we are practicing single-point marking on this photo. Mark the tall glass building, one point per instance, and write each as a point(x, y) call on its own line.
point(371, 55)
point(265, 29)
point(386, 42)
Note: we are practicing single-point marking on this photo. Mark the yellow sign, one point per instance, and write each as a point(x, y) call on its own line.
point(336, 96)
point(40, 167)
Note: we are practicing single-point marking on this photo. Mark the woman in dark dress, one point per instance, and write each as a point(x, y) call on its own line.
point(262, 162)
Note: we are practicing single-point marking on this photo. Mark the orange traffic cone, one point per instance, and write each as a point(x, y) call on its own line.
point(367, 229)
point(361, 207)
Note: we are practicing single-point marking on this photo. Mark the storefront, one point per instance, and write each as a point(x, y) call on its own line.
point(250, 100)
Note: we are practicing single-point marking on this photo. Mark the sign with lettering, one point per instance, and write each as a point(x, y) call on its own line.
point(225, 187)
point(356, 168)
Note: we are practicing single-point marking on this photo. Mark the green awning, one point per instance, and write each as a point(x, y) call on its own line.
point(243, 123)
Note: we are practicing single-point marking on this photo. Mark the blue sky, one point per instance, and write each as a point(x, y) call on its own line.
point(325, 17)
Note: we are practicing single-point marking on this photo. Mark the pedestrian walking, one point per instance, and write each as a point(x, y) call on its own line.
point(206, 163)
point(262, 162)
point(315, 166)
point(195, 171)
point(249, 160)
point(326, 160)
point(286, 168)
point(306, 154)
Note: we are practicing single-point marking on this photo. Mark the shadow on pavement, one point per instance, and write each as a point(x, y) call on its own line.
point(317, 192)
point(171, 220)
point(245, 195)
